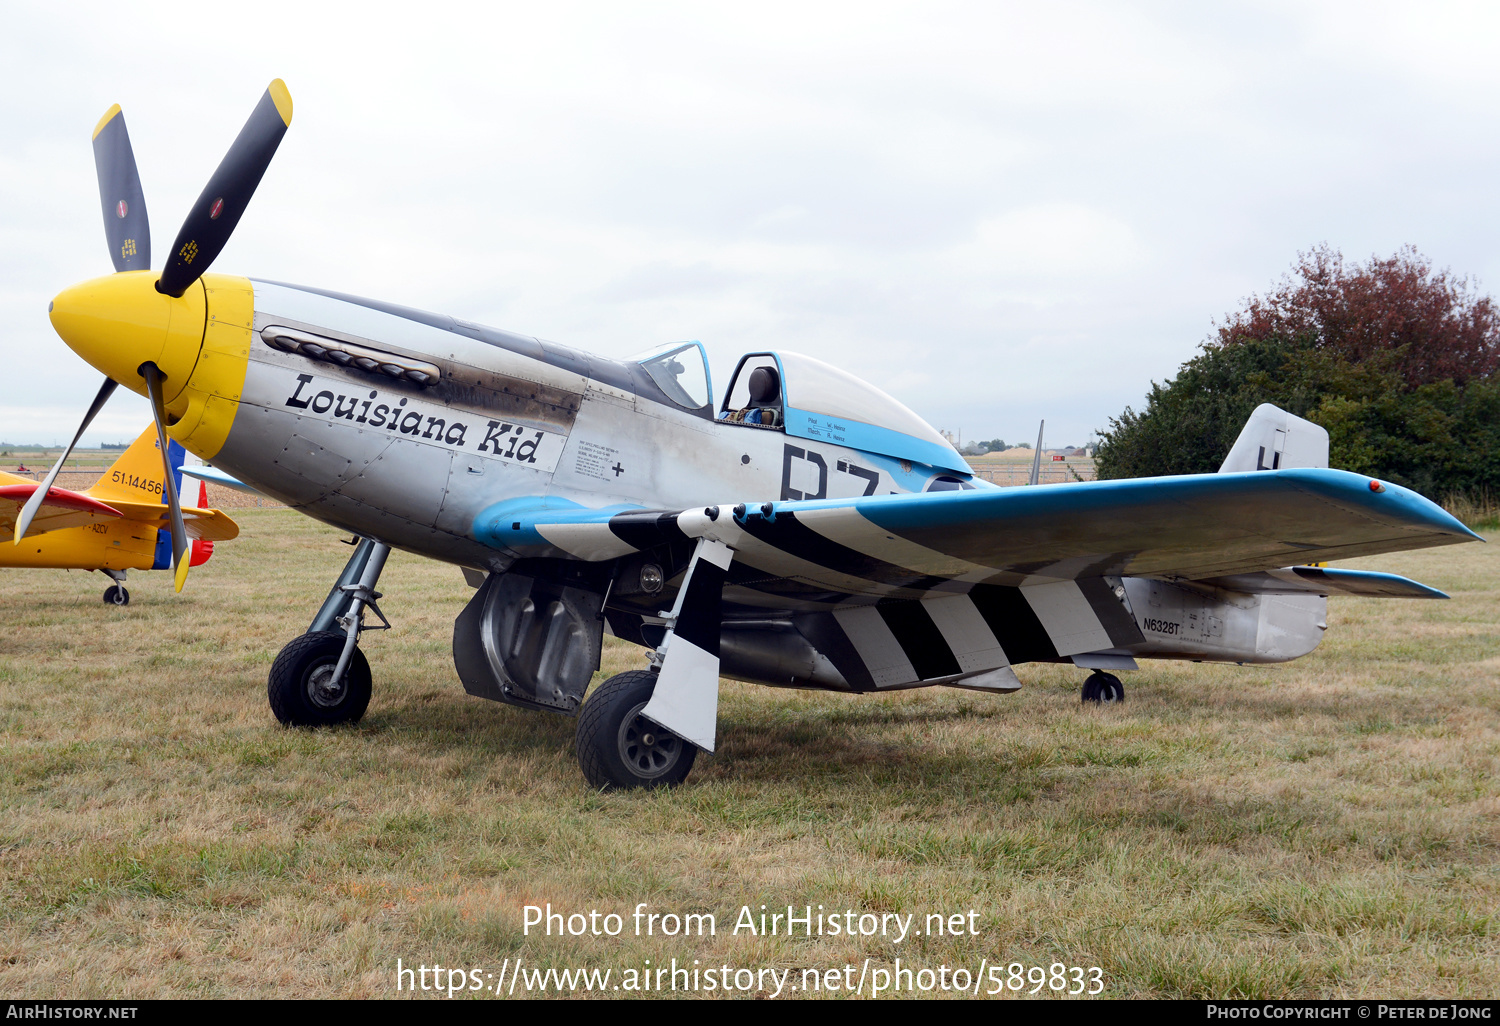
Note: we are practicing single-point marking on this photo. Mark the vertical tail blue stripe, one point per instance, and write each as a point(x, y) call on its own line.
point(162, 557)
point(176, 454)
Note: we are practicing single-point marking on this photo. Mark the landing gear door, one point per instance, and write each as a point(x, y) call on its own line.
point(529, 642)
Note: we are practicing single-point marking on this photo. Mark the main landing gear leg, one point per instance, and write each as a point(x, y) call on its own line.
point(643, 728)
point(1103, 689)
point(322, 677)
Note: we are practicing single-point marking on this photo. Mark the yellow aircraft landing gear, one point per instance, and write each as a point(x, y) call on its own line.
point(115, 594)
point(321, 678)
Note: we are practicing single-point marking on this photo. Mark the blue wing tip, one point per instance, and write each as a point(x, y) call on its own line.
point(1371, 491)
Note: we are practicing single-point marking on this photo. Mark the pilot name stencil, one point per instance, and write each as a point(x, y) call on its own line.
point(511, 443)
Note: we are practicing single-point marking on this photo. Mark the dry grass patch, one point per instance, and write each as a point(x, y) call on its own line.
point(1323, 828)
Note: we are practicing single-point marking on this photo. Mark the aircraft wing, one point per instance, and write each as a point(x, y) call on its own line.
point(211, 524)
point(61, 508)
point(1192, 527)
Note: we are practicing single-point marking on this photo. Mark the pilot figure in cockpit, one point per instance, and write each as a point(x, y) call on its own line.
point(765, 400)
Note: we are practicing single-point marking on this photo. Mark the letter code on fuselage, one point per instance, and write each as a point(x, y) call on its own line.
point(518, 444)
point(794, 457)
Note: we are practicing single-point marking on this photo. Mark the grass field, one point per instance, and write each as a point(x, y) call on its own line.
point(1326, 828)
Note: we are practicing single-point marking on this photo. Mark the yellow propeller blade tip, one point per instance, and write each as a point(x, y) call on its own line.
point(182, 569)
point(109, 116)
point(282, 99)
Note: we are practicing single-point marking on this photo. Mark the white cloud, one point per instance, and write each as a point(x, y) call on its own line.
point(997, 212)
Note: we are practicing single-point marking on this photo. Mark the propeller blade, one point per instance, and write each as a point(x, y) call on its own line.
point(207, 228)
point(34, 503)
point(125, 223)
point(180, 561)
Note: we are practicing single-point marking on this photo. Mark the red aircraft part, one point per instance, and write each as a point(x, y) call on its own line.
point(57, 498)
point(203, 548)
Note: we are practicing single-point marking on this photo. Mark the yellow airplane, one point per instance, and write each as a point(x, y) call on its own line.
point(121, 523)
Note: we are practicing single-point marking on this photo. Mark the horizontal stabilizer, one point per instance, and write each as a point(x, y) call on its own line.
point(208, 524)
point(1315, 580)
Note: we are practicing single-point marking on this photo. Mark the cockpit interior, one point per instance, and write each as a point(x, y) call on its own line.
point(755, 396)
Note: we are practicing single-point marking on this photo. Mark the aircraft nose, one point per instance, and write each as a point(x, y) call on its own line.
point(119, 322)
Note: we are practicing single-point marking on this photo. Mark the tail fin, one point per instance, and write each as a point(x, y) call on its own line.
point(137, 475)
point(1036, 457)
point(1273, 439)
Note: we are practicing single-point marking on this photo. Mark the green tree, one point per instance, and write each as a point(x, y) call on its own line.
point(1398, 362)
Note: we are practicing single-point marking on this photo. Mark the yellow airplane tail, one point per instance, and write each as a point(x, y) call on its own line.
point(136, 479)
point(137, 475)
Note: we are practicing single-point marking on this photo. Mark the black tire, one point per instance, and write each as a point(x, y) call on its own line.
point(297, 686)
point(1103, 689)
point(116, 595)
point(618, 748)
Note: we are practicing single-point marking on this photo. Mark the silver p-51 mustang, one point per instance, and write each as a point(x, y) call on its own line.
point(807, 531)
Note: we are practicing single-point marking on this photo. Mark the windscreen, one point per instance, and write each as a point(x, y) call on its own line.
point(682, 373)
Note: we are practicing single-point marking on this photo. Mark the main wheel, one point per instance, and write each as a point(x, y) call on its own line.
point(619, 748)
point(301, 685)
point(116, 595)
point(1103, 688)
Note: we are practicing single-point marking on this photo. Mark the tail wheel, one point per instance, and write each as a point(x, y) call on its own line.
point(301, 687)
point(1103, 689)
point(116, 595)
point(618, 748)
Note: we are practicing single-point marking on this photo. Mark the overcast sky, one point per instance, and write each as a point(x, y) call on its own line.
point(996, 212)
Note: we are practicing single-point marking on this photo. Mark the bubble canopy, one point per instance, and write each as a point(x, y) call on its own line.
point(822, 402)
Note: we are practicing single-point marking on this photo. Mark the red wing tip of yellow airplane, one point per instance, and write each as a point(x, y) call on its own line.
point(59, 497)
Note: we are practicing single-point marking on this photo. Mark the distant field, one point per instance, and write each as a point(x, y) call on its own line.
point(1013, 467)
point(1326, 828)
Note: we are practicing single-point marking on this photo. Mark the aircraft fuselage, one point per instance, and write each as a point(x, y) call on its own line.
point(429, 468)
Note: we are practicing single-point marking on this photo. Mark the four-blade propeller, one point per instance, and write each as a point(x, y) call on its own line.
point(202, 237)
